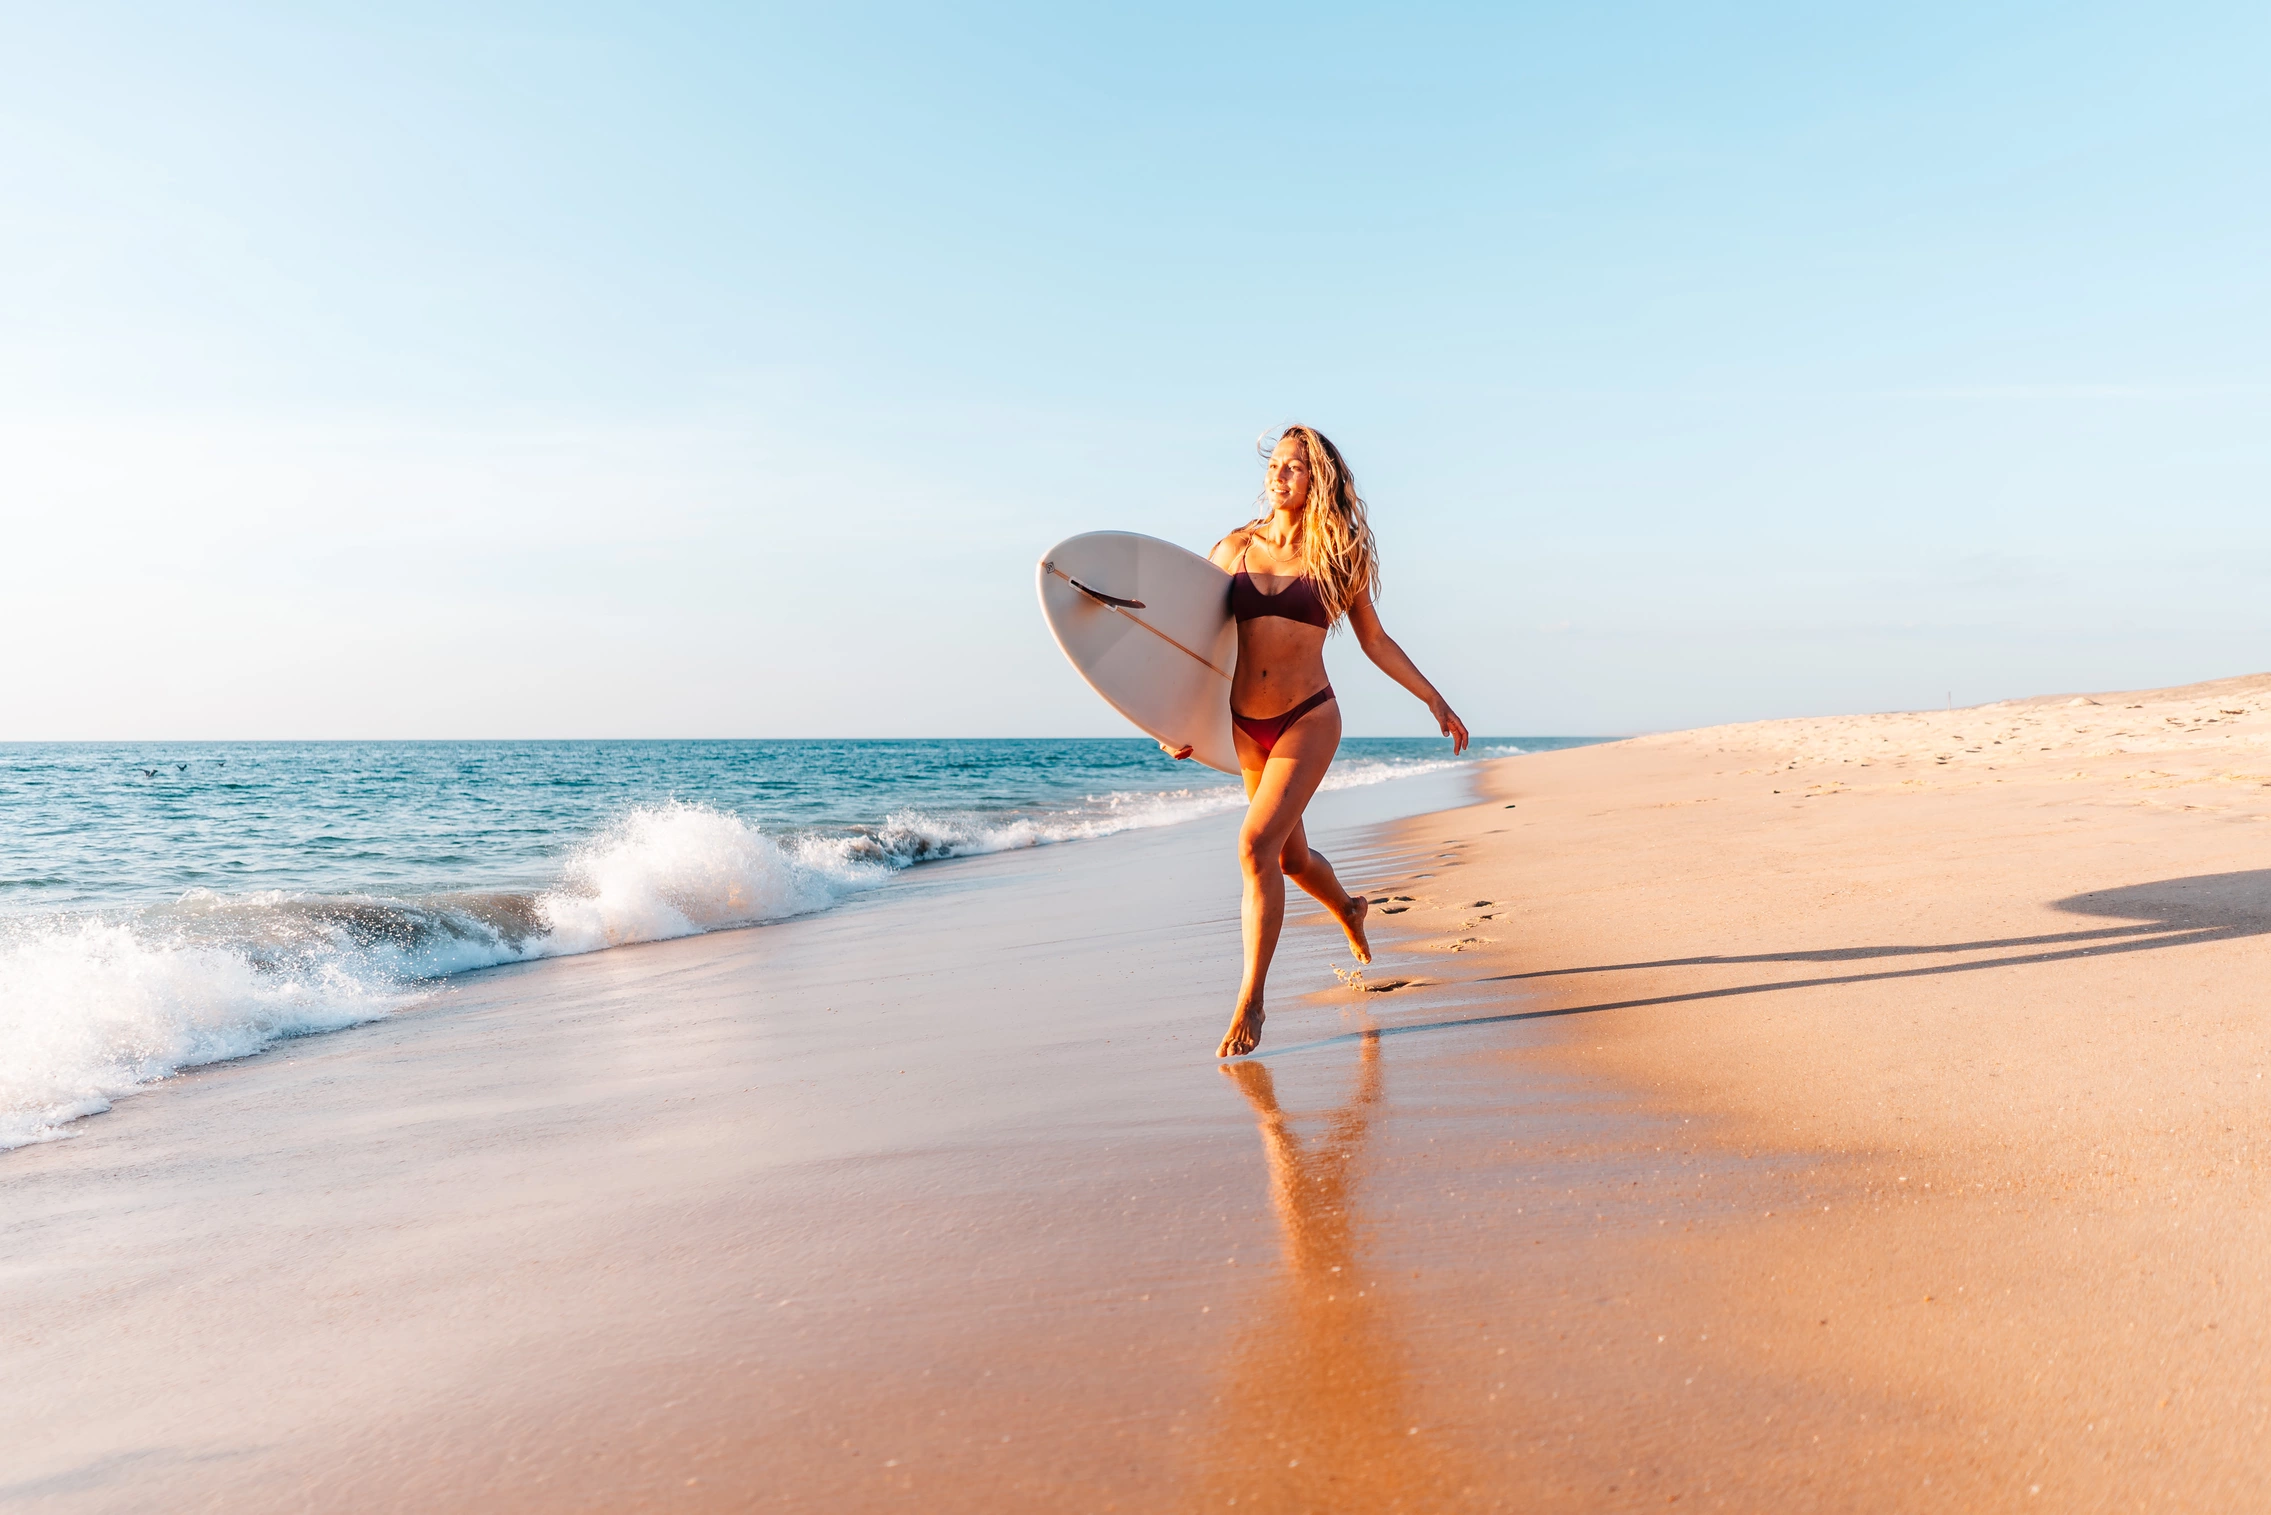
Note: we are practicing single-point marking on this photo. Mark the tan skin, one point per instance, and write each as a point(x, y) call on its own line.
point(1281, 663)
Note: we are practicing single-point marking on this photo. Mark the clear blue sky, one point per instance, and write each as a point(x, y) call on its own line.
point(686, 370)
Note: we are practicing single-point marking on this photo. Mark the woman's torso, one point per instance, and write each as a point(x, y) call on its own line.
point(1281, 629)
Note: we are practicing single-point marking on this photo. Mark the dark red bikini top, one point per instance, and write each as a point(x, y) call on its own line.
point(1297, 601)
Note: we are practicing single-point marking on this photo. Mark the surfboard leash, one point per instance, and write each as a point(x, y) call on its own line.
point(1120, 607)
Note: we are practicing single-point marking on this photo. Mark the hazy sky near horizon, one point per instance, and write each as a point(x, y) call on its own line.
point(693, 370)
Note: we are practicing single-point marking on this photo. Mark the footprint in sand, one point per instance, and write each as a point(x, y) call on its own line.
point(1353, 978)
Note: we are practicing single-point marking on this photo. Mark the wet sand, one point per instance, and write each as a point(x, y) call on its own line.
point(937, 1200)
point(1889, 1141)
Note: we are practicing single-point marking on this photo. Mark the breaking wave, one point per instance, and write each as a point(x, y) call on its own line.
point(94, 1005)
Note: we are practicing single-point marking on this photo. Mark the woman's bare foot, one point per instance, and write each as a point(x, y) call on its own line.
point(1245, 1033)
point(1358, 907)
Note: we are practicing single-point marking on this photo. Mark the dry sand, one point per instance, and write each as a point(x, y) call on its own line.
point(1840, 1114)
point(1985, 990)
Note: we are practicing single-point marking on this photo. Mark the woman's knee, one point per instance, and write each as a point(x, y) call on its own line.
point(1294, 856)
point(1256, 852)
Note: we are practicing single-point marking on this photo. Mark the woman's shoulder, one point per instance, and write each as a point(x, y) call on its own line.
point(1233, 544)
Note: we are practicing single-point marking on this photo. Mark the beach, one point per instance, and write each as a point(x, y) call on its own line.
point(1861, 1112)
point(598, 909)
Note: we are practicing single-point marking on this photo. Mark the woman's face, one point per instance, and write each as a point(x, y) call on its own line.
point(1288, 481)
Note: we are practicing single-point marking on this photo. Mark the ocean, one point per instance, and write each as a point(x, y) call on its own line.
point(168, 905)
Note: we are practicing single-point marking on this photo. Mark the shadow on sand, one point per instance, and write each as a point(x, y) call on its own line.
point(2182, 912)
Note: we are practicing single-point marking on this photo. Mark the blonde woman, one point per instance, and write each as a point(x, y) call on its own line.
point(1297, 572)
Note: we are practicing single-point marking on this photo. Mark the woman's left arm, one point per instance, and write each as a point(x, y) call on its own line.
point(1381, 648)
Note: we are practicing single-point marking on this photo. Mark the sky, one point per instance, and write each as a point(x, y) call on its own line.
point(491, 371)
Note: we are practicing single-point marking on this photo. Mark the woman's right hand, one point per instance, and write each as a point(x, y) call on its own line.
point(1178, 756)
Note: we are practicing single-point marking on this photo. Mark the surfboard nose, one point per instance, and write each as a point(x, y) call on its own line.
point(1163, 660)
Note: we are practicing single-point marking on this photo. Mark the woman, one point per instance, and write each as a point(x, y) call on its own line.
point(1307, 564)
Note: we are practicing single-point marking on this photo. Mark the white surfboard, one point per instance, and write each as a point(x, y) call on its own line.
point(1148, 625)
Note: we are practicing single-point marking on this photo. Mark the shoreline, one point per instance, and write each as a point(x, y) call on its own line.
point(117, 988)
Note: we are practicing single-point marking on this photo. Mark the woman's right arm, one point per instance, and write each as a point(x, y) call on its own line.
point(1228, 552)
point(1225, 556)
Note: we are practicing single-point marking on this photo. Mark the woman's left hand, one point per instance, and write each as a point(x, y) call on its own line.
point(1452, 726)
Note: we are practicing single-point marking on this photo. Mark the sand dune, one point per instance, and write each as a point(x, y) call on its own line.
point(2169, 746)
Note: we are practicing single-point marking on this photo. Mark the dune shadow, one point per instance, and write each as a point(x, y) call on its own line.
point(2179, 912)
point(2236, 903)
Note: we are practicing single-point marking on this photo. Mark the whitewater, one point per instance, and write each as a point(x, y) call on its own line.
point(164, 908)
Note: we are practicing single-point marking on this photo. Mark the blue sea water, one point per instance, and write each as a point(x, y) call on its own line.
point(166, 905)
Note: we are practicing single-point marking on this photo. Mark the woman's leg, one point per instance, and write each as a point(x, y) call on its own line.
point(1314, 874)
point(1278, 790)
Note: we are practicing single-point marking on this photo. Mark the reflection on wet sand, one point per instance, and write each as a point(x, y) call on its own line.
point(1314, 1406)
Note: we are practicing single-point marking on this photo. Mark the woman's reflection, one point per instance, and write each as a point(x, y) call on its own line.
point(1313, 1414)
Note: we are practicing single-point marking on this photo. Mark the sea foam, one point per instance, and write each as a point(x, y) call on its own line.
point(89, 1009)
point(93, 1006)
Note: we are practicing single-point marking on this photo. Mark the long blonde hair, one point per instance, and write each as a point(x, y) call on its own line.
point(1332, 532)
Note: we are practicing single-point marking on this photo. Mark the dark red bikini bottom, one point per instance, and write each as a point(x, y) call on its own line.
point(1265, 730)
